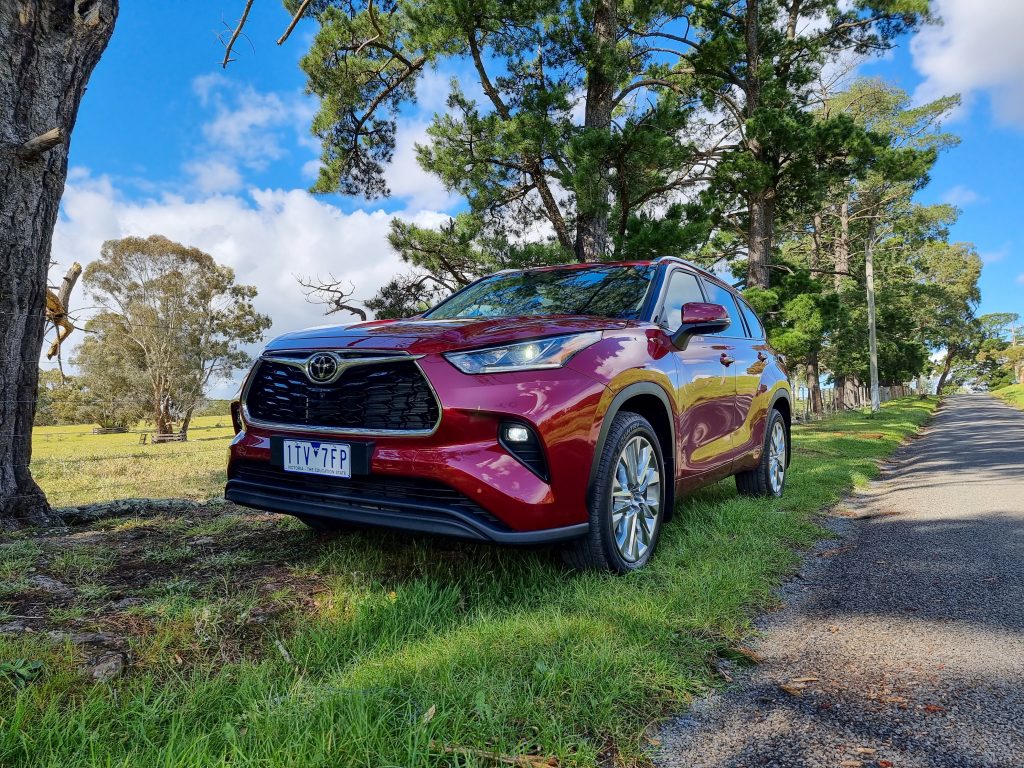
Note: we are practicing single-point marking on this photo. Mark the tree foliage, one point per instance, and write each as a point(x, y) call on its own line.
point(173, 320)
point(721, 130)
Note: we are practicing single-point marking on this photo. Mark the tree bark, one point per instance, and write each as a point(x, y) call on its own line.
point(813, 384)
point(946, 368)
point(592, 210)
point(843, 246)
point(48, 49)
point(762, 203)
point(760, 238)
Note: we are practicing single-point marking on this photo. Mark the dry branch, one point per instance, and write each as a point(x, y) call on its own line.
point(294, 21)
point(331, 294)
point(42, 143)
point(234, 35)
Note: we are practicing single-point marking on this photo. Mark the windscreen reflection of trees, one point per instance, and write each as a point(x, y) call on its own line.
point(605, 292)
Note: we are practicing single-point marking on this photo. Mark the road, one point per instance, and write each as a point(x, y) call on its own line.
point(902, 643)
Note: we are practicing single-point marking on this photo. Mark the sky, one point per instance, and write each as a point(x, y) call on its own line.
point(169, 142)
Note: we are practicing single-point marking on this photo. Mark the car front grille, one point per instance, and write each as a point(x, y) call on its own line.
point(380, 397)
point(366, 492)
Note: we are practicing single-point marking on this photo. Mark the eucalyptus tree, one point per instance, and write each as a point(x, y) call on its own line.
point(176, 315)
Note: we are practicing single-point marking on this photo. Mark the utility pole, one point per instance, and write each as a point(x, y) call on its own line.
point(869, 272)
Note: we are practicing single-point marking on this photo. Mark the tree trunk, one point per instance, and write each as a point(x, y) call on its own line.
point(162, 415)
point(843, 246)
point(48, 49)
point(592, 202)
point(760, 238)
point(946, 368)
point(760, 204)
point(186, 421)
point(813, 384)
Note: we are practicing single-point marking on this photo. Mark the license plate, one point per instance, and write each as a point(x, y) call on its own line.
point(314, 458)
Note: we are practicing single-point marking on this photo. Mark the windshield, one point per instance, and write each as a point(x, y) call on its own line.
point(605, 291)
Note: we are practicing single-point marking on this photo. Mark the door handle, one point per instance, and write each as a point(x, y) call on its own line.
point(726, 360)
point(762, 356)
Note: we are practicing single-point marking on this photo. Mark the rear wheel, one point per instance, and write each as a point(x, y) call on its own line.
point(627, 500)
point(768, 478)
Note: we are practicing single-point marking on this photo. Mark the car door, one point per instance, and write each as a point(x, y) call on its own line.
point(739, 355)
point(705, 386)
point(751, 401)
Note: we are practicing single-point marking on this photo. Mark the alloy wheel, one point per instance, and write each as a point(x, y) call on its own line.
point(636, 499)
point(777, 458)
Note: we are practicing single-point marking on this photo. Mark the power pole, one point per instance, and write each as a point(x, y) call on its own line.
point(869, 272)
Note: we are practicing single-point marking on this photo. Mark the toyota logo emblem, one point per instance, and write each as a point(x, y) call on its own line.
point(322, 367)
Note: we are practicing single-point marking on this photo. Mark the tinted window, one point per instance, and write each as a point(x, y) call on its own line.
point(756, 329)
point(682, 288)
point(599, 290)
point(719, 295)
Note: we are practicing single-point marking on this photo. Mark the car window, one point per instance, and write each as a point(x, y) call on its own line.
point(602, 290)
point(682, 288)
point(719, 295)
point(753, 323)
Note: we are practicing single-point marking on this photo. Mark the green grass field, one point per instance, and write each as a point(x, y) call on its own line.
point(251, 642)
point(74, 466)
point(1013, 395)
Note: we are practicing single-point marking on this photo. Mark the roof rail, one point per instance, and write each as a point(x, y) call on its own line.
point(678, 260)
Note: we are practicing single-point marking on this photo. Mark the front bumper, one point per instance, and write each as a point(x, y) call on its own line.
point(459, 480)
point(429, 511)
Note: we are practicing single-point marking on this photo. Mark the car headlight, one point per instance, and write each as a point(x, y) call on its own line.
point(552, 352)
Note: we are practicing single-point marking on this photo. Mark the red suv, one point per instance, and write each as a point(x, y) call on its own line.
point(566, 404)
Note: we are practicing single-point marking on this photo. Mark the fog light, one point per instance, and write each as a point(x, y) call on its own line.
point(516, 433)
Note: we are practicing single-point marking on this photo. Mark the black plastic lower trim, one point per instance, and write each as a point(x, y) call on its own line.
point(409, 516)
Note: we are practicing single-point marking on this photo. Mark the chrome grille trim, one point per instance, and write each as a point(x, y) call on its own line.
point(370, 357)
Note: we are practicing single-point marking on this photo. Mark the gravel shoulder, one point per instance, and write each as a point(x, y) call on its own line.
point(901, 643)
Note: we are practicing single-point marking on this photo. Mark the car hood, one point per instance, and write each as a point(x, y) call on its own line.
point(421, 336)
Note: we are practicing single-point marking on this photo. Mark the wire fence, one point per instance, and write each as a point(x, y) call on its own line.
point(849, 398)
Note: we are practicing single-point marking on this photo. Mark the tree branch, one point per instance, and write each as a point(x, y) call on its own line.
point(235, 34)
point(36, 146)
point(294, 21)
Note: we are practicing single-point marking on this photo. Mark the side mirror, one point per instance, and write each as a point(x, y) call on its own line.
point(699, 319)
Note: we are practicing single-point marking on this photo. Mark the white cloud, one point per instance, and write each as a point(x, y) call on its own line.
point(977, 49)
point(266, 235)
point(247, 130)
point(213, 176)
point(311, 169)
point(1020, 278)
point(1000, 253)
point(961, 196)
point(404, 176)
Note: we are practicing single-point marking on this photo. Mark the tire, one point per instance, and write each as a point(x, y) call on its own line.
point(768, 478)
point(624, 540)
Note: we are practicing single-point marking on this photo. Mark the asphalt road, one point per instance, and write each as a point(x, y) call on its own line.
point(902, 643)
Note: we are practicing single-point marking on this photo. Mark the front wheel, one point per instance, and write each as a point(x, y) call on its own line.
point(768, 478)
point(627, 500)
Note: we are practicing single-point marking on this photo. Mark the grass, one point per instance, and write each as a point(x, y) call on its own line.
point(396, 650)
point(1012, 395)
point(74, 466)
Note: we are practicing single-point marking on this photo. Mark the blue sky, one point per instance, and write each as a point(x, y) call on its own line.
point(167, 141)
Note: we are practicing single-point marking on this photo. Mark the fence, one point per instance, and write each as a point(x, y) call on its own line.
point(854, 397)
